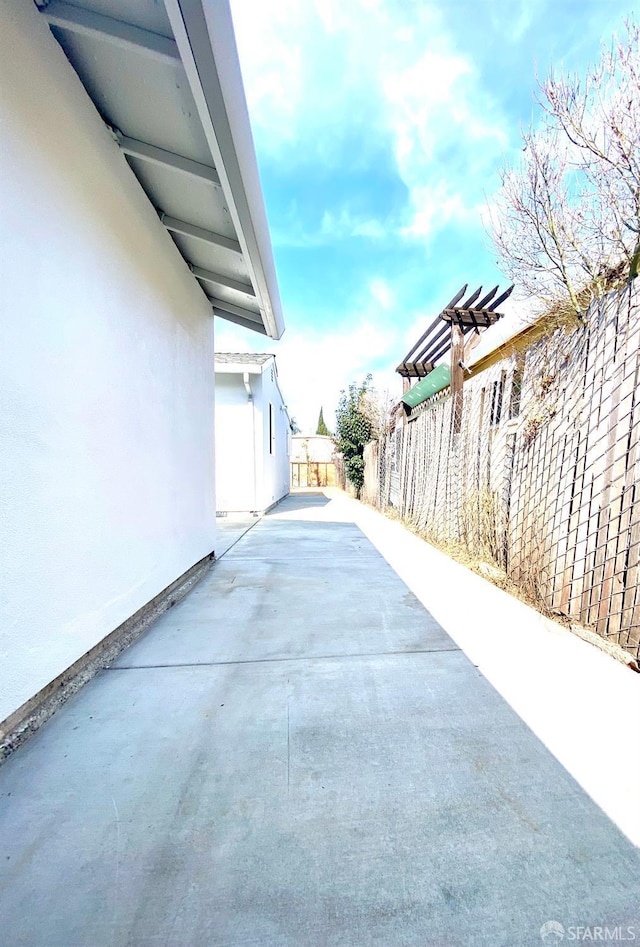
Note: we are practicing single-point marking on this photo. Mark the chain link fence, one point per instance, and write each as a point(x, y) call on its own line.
point(542, 480)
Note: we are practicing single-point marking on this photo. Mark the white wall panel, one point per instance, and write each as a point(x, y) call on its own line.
point(106, 421)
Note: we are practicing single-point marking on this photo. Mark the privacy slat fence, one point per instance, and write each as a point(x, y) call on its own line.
point(543, 477)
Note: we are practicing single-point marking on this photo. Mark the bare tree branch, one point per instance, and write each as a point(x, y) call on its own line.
point(565, 224)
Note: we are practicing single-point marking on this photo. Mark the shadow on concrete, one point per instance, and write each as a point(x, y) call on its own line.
point(301, 501)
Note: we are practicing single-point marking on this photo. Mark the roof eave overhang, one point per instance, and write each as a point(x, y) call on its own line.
point(206, 45)
point(195, 138)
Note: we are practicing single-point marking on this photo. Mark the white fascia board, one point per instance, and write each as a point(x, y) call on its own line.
point(238, 368)
point(203, 31)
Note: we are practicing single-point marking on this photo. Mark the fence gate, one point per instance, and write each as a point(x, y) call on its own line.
point(313, 475)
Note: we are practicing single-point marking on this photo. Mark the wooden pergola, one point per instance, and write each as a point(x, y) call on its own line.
point(446, 334)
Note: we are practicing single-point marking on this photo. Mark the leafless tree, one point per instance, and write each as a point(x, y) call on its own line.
point(378, 407)
point(566, 220)
point(600, 115)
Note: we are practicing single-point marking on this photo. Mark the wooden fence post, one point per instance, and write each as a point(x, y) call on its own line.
point(457, 374)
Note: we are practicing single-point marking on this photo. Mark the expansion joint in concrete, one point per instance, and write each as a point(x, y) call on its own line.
point(27, 719)
point(283, 660)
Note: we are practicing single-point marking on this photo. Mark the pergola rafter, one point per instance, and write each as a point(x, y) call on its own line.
point(436, 340)
point(446, 334)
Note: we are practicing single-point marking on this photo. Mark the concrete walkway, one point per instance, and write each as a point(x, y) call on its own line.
point(298, 755)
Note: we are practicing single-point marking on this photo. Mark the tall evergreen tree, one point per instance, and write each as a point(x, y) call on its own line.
point(322, 427)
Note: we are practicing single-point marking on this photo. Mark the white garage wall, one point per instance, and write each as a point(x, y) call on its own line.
point(106, 420)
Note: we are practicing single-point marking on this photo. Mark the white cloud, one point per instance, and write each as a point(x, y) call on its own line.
point(381, 292)
point(512, 21)
point(333, 227)
point(369, 228)
point(434, 206)
point(269, 38)
point(346, 224)
point(439, 104)
point(314, 72)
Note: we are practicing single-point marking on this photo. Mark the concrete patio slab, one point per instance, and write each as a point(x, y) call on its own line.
point(370, 794)
point(276, 538)
point(267, 609)
point(230, 528)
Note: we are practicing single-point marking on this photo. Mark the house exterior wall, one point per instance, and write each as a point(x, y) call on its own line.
point(275, 465)
point(249, 476)
point(236, 448)
point(106, 427)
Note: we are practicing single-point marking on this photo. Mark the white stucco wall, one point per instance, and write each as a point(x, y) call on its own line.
point(235, 445)
point(248, 476)
point(106, 405)
point(275, 467)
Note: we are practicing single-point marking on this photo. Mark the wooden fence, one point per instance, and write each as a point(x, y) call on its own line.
point(313, 474)
point(543, 477)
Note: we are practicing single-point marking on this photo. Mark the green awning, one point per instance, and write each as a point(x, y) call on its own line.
point(434, 382)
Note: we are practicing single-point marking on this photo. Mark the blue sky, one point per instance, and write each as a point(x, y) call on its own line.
point(380, 127)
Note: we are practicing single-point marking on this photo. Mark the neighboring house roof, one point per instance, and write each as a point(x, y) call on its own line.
point(165, 78)
point(242, 358)
point(248, 363)
point(518, 341)
point(522, 321)
point(237, 363)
